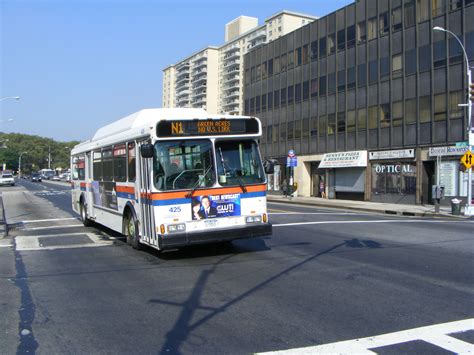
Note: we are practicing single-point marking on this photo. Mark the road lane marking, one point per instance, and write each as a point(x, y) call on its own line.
point(48, 220)
point(54, 227)
point(360, 222)
point(6, 245)
point(434, 334)
point(316, 213)
point(34, 243)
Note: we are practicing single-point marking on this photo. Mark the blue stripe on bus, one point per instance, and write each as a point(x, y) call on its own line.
point(254, 194)
point(126, 195)
point(83, 188)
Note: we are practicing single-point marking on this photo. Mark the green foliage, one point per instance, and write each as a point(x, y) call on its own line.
point(37, 150)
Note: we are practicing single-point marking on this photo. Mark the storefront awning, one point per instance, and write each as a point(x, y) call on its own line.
point(344, 160)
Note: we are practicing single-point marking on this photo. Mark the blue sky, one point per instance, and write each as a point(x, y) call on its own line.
point(81, 64)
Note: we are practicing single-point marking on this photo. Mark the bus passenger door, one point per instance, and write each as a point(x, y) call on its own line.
point(88, 179)
point(144, 178)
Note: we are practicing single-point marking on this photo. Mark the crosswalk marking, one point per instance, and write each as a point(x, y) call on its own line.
point(434, 334)
point(33, 242)
point(48, 220)
point(54, 227)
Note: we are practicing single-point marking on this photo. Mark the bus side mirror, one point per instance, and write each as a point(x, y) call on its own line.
point(147, 150)
point(269, 167)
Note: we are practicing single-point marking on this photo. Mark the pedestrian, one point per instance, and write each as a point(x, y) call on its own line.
point(284, 187)
point(322, 188)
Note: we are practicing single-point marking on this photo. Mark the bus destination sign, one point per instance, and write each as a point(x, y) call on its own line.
point(186, 128)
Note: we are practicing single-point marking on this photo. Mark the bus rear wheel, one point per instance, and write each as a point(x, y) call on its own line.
point(85, 221)
point(130, 228)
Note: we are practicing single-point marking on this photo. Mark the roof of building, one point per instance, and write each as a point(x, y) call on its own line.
point(286, 12)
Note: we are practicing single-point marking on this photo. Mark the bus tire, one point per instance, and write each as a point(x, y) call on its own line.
point(130, 228)
point(85, 220)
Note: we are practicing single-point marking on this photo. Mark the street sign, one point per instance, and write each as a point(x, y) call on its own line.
point(468, 160)
point(291, 162)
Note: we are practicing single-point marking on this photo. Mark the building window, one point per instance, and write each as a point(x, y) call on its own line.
point(283, 97)
point(259, 73)
point(305, 90)
point(270, 100)
point(397, 68)
point(425, 58)
point(264, 102)
point(252, 105)
point(397, 19)
point(385, 116)
point(298, 93)
point(332, 83)
point(373, 117)
point(341, 122)
point(373, 72)
point(314, 87)
point(269, 134)
point(275, 133)
point(410, 62)
point(425, 109)
point(372, 28)
point(314, 50)
point(362, 74)
point(283, 63)
point(291, 60)
point(331, 124)
point(305, 128)
point(410, 111)
point(270, 67)
point(384, 24)
point(264, 71)
point(305, 54)
point(351, 78)
point(439, 53)
point(350, 36)
point(298, 59)
point(423, 10)
point(341, 80)
point(314, 127)
point(276, 63)
point(361, 32)
point(276, 98)
point(290, 94)
point(455, 51)
point(440, 107)
point(384, 68)
point(456, 98)
point(409, 13)
point(397, 113)
point(322, 47)
point(438, 7)
point(362, 119)
point(323, 121)
point(290, 133)
point(322, 85)
point(298, 129)
point(283, 132)
point(351, 121)
point(455, 4)
point(331, 43)
point(341, 40)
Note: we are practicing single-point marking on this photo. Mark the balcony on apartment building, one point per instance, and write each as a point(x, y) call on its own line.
point(183, 93)
point(231, 63)
point(258, 39)
point(231, 78)
point(200, 63)
point(231, 94)
point(182, 78)
point(182, 85)
point(232, 54)
point(199, 71)
point(197, 81)
point(183, 67)
point(230, 49)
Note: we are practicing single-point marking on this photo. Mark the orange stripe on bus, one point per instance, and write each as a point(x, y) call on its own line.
point(221, 191)
point(127, 189)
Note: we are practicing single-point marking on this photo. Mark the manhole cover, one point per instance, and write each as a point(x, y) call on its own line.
point(64, 240)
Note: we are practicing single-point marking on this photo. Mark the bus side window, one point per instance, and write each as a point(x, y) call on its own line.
point(97, 165)
point(120, 163)
point(107, 164)
point(131, 162)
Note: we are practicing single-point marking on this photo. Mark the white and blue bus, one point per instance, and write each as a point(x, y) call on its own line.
point(173, 177)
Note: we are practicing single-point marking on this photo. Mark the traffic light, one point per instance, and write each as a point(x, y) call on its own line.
point(471, 92)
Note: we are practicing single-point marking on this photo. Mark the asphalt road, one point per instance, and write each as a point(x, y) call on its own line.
point(324, 276)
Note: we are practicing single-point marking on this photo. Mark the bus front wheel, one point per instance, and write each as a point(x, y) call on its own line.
point(131, 231)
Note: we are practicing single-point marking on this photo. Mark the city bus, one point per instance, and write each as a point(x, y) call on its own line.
point(169, 178)
point(47, 174)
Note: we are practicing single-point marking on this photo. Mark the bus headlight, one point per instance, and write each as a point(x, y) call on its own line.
point(174, 228)
point(253, 219)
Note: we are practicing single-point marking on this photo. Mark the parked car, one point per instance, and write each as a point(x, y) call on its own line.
point(55, 178)
point(7, 179)
point(35, 177)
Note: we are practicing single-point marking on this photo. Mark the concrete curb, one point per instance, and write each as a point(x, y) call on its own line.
point(407, 213)
point(3, 222)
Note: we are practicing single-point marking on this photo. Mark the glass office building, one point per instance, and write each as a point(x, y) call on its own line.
point(368, 97)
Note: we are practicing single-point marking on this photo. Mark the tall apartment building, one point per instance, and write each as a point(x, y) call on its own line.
point(213, 77)
point(368, 98)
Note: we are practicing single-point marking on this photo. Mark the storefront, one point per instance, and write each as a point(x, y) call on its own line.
point(393, 176)
point(446, 163)
point(345, 174)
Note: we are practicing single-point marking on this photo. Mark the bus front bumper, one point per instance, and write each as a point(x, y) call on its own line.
point(175, 240)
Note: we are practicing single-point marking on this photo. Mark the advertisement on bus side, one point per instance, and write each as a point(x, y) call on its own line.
point(104, 194)
point(215, 206)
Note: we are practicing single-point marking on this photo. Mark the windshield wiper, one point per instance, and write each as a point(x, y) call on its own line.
point(241, 182)
point(198, 182)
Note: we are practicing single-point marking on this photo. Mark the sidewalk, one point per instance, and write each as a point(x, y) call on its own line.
point(375, 207)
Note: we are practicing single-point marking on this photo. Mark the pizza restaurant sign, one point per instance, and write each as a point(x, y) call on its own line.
point(344, 159)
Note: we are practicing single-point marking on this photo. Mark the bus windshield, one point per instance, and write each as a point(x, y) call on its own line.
point(238, 162)
point(183, 164)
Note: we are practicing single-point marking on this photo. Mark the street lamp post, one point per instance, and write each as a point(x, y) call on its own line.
point(19, 164)
point(469, 210)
